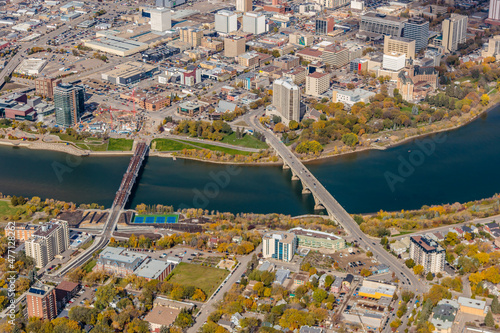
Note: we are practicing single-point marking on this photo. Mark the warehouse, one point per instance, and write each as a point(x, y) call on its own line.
point(128, 73)
point(116, 45)
point(31, 66)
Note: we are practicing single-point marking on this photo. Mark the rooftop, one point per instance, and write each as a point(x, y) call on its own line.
point(121, 254)
point(151, 268)
point(313, 233)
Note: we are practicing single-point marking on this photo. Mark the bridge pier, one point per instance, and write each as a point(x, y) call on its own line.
point(294, 176)
point(305, 189)
point(285, 166)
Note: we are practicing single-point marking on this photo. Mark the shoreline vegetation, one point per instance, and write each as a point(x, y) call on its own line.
point(205, 152)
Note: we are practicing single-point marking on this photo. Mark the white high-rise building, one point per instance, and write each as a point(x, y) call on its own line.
point(394, 61)
point(286, 99)
point(454, 32)
point(244, 6)
point(428, 253)
point(226, 21)
point(279, 245)
point(49, 240)
point(494, 12)
point(254, 23)
point(160, 19)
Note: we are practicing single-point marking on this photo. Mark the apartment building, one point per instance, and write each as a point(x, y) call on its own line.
point(45, 87)
point(400, 45)
point(191, 36)
point(454, 32)
point(417, 28)
point(244, 5)
point(286, 99)
point(234, 46)
point(49, 240)
point(317, 83)
point(41, 302)
point(297, 74)
point(23, 232)
point(428, 253)
point(226, 21)
point(254, 23)
point(279, 245)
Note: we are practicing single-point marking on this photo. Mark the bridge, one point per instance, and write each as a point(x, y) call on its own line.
point(121, 198)
point(324, 200)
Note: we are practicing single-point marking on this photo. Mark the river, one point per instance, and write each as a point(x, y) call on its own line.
point(457, 166)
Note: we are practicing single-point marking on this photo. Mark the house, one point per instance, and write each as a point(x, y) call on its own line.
point(381, 269)
point(226, 324)
point(491, 227)
point(266, 266)
point(213, 242)
point(322, 280)
point(164, 313)
point(337, 285)
point(310, 329)
point(281, 276)
point(236, 319)
point(300, 279)
point(312, 277)
point(237, 239)
point(346, 284)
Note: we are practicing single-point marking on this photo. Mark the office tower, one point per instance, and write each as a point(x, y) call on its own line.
point(254, 23)
point(279, 245)
point(286, 99)
point(244, 6)
point(428, 253)
point(226, 21)
point(394, 61)
point(45, 87)
point(191, 36)
point(493, 47)
point(41, 302)
point(494, 13)
point(454, 32)
point(382, 24)
point(234, 46)
point(160, 19)
point(49, 240)
point(324, 25)
point(336, 56)
point(417, 28)
point(169, 3)
point(400, 45)
point(69, 102)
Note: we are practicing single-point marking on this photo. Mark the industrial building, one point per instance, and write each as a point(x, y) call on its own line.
point(31, 66)
point(129, 73)
point(279, 245)
point(116, 45)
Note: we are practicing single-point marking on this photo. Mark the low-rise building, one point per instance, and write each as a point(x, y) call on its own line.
point(374, 289)
point(297, 74)
point(128, 73)
point(351, 97)
point(164, 313)
point(473, 306)
point(318, 239)
point(190, 109)
point(119, 261)
point(152, 269)
point(443, 315)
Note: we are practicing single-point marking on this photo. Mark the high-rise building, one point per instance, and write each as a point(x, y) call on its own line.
point(336, 56)
point(234, 46)
point(286, 99)
point(45, 86)
point(417, 28)
point(41, 302)
point(160, 19)
point(279, 245)
point(382, 24)
point(493, 49)
point(428, 253)
point(454, 32)
point(494, 13)
point(317, 83)
point(49, 240)
point(394, 61)
point(400, 45)
point(169, 3)
point(69, 102)
point(226, 21)
point(254, 23)
point(191, 36)
point(324, 25)
point(244, 6)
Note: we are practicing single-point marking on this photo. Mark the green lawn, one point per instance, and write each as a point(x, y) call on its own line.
point(6, 209)
point(66, 137)
point(120, 144)
point(93, 147)
point(169, 145)
point(248, 141)
point(89, 265)
point(217, 148)
point(203, 277)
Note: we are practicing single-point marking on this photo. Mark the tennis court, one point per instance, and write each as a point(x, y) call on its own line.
point(159, 219)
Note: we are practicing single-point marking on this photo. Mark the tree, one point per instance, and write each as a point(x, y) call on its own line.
point(451, 239)
point(429, 276)
point(410, 263)
point(495, 306)
point(485, 100)
point(350, 139)
point(184, 319)
point(293, 125)
point(369, 254)
point(365, 272)
point(320, 295)
point(489, 320)
point(418, 269)
point(279, 128)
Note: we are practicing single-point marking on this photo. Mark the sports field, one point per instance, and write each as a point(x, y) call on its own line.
point(151, 219)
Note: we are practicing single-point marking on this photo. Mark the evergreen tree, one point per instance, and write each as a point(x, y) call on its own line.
point(488, 320)
point(495, 307)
